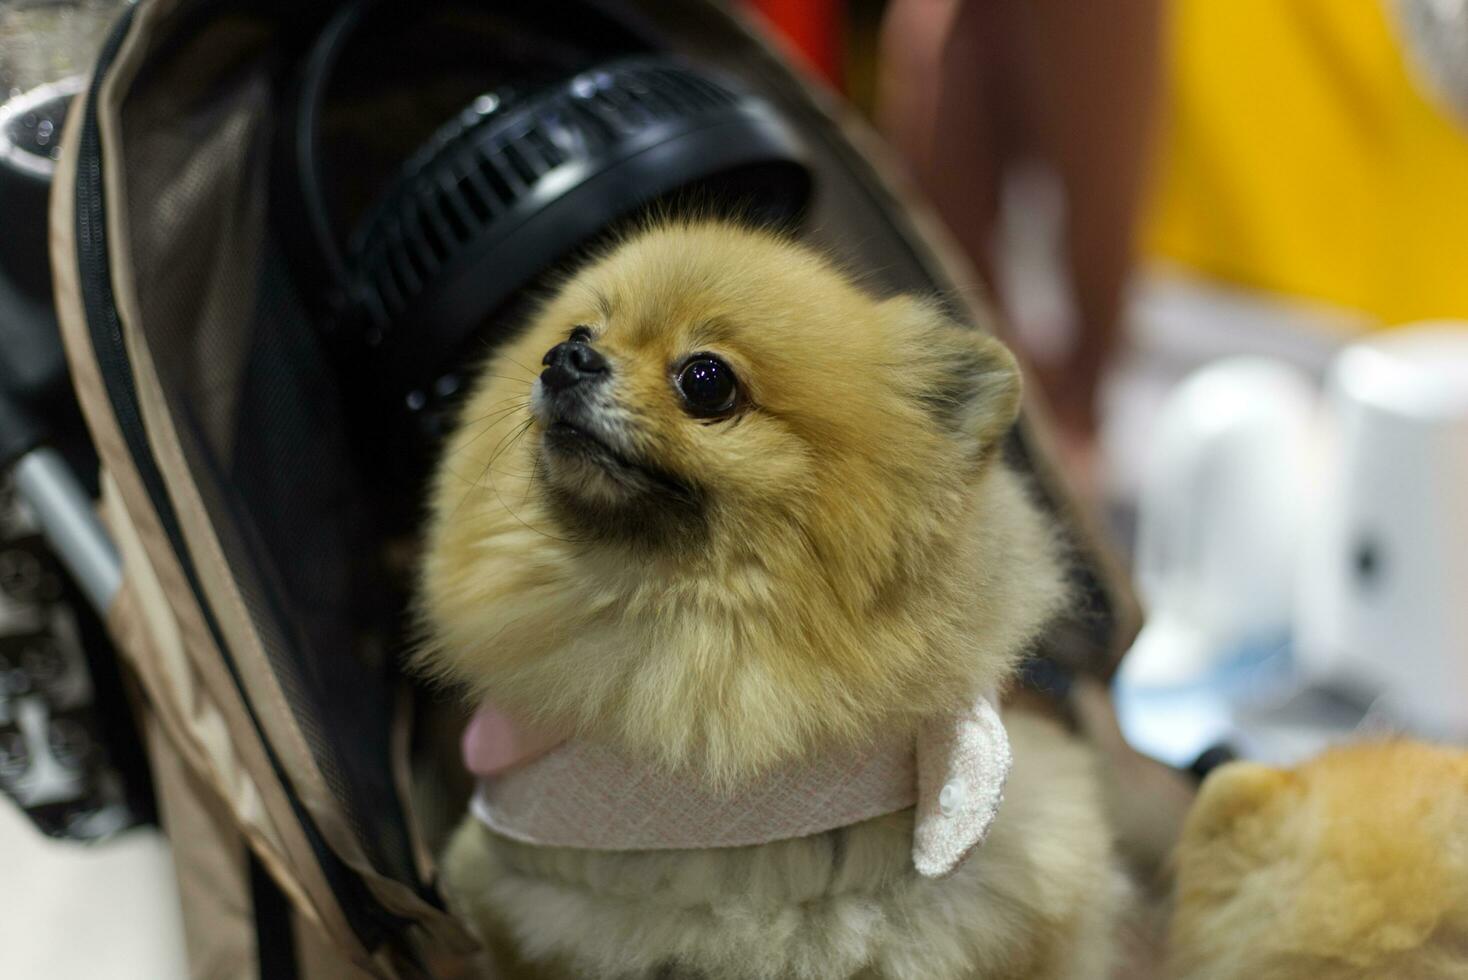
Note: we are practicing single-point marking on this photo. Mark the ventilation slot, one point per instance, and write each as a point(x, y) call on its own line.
point(548, 151)
point(512, 156)
point(506, 183)
point(452, 202)
point(423, 246)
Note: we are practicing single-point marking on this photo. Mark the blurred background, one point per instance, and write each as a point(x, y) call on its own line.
point(1230, 241)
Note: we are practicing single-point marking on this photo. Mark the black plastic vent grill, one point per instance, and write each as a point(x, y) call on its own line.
point(515, 185)
point(490, 161)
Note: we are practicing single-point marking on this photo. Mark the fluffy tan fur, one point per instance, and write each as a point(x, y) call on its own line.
point(843, 553)
point(1352, 867)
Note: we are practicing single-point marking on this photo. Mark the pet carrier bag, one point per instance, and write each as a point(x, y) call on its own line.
point(238, 351)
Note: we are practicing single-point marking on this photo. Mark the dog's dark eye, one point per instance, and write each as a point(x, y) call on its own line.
point(581, 333)
point(707, 385)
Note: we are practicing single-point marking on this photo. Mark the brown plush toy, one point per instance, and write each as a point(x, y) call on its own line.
point(1352, 866)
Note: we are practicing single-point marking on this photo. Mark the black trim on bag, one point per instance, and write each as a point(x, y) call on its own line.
point(369, 920)
point(275, 935)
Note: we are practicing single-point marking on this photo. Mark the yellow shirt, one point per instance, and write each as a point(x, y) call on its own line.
point(1300, 155)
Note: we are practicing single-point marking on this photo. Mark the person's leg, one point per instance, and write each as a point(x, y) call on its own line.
point(969, 85)
point(1085, 91)
point(936, 101)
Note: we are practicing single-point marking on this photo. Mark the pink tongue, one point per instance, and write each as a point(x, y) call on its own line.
point(494, 742)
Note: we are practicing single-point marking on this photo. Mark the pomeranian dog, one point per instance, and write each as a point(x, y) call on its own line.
point(723, 517)
point(1353, 866)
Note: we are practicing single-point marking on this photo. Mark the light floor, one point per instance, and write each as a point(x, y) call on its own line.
point(68, 910)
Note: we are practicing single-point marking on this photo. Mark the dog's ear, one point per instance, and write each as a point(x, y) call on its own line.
point(1232, 792)
point(965, 378)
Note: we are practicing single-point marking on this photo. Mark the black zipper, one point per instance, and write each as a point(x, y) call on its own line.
point(369, 920)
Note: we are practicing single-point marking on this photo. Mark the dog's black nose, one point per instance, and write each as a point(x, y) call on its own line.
point(572, 363)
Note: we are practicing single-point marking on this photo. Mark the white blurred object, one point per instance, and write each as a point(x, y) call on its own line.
point(1384, 586)
point(1222, 500)
point(1178, 324)
point(1435, 35)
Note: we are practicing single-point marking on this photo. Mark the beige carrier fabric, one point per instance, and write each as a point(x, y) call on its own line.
point(162, 634)
point(161, 629)
point(189, 736)
point(219, 928)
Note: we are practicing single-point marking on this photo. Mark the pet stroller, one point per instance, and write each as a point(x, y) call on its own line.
point(262, 378)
